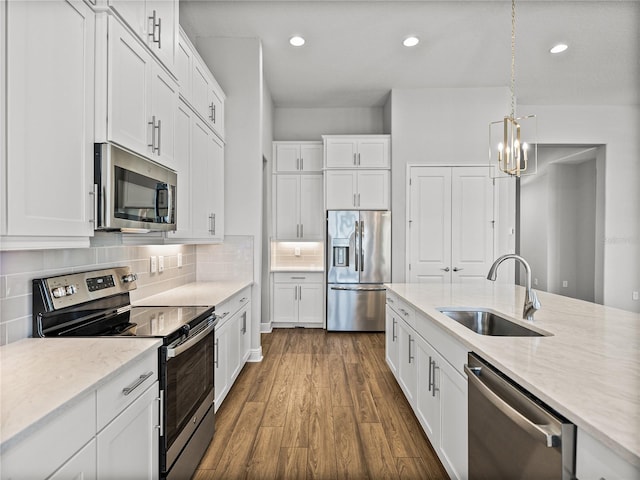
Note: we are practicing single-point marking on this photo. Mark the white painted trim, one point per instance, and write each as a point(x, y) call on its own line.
point(266, 327)
point(255, 355)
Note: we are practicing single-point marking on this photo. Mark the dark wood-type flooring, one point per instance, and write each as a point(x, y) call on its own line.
point(321, 405)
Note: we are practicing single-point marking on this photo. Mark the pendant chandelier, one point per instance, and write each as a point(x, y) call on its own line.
point(512, 147)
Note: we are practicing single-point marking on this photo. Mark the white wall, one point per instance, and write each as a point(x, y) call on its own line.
point(312, 123)
point(617, 128)
point(440, 126)
point(267, 151)
point(237, 65)
point(535, 209)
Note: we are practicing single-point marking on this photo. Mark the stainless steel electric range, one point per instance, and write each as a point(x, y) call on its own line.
point(97, 304)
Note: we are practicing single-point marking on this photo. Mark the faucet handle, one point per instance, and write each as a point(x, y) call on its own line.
point(533, 297)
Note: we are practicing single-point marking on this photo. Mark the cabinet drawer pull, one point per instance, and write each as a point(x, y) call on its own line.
point(298, 278)
point(136, 384)
point(433, 392)
point(411, 357)
point(243, 299)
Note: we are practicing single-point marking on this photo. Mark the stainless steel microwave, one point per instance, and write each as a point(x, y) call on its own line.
point(133, 194)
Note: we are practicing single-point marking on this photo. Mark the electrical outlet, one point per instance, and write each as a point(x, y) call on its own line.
point(154, 264)
point(180, 260)
point(634, 296)
point(296, 251)
point(565, 284)
point(160, 263)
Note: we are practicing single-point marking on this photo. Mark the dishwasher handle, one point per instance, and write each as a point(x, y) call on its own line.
point(537, 431)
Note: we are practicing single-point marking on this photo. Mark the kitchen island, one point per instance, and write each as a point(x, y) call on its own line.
point(587, 368)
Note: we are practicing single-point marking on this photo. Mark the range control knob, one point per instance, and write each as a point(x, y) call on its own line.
point(71, 289)
point(59, 292)
point(131, 277)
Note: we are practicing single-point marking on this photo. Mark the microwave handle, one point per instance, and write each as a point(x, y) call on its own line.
point(160, 187)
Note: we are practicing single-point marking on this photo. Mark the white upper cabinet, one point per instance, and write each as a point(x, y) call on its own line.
point(357, 190)
point(200, 180)
point(155, 22)
point(141, 97)
point(291, 157)
point(298, 207)
point(47, 100)
point(367, 151)
point(298, 191)
point(198, 87)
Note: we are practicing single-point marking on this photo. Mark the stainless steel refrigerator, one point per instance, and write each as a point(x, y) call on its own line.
point(358, 263)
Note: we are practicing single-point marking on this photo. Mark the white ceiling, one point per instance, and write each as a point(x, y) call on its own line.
point(354, 54)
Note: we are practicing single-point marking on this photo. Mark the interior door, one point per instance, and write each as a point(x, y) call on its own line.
point(471, 223)
point(430, 225)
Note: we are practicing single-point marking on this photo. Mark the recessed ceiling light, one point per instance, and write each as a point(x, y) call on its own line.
point(296, 41)
point(411, 41)
point(559, 48)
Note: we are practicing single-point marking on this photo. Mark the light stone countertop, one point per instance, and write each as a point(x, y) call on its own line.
point(40, 378)
point(196, 294)
point(589, 370)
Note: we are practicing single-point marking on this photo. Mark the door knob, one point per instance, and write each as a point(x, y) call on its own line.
point(456, 269)
point(445, 269)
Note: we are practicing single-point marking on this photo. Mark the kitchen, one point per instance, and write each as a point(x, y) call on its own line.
point(253, 120)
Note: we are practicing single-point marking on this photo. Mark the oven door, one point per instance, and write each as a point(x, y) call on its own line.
point(187, 373)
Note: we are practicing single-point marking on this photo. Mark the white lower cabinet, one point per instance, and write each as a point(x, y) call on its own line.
point(297, 300)
point(391, 340)
point(221, 363)
point(82, 466)
point(105, 434)
point(595, 461)
point(128, 446)
point(436, 390)
point(407, 361)
point(232, 342)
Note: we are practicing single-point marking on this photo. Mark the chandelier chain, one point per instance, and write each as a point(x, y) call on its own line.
point(513, 58)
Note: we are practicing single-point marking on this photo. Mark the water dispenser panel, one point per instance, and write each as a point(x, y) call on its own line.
point(341, 256)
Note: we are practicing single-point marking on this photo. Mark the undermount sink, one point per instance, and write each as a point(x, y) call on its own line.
point(486, 322)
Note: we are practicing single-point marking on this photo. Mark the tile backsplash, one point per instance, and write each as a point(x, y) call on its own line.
point(232, 260)
point(297, 255)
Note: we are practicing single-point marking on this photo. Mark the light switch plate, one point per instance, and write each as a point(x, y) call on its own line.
point(153, 264)
point(179, 259)
point(161, 263)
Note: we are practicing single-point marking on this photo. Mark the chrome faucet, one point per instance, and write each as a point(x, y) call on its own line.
point(531, 302)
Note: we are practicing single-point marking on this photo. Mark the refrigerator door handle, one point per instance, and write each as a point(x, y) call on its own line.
point(357, 245)
point(360, 289)
point(361, 241)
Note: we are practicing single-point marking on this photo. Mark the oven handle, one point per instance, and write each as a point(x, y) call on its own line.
point(174, 352)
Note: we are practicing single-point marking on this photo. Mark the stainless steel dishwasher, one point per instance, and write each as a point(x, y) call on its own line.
point(512, 435)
